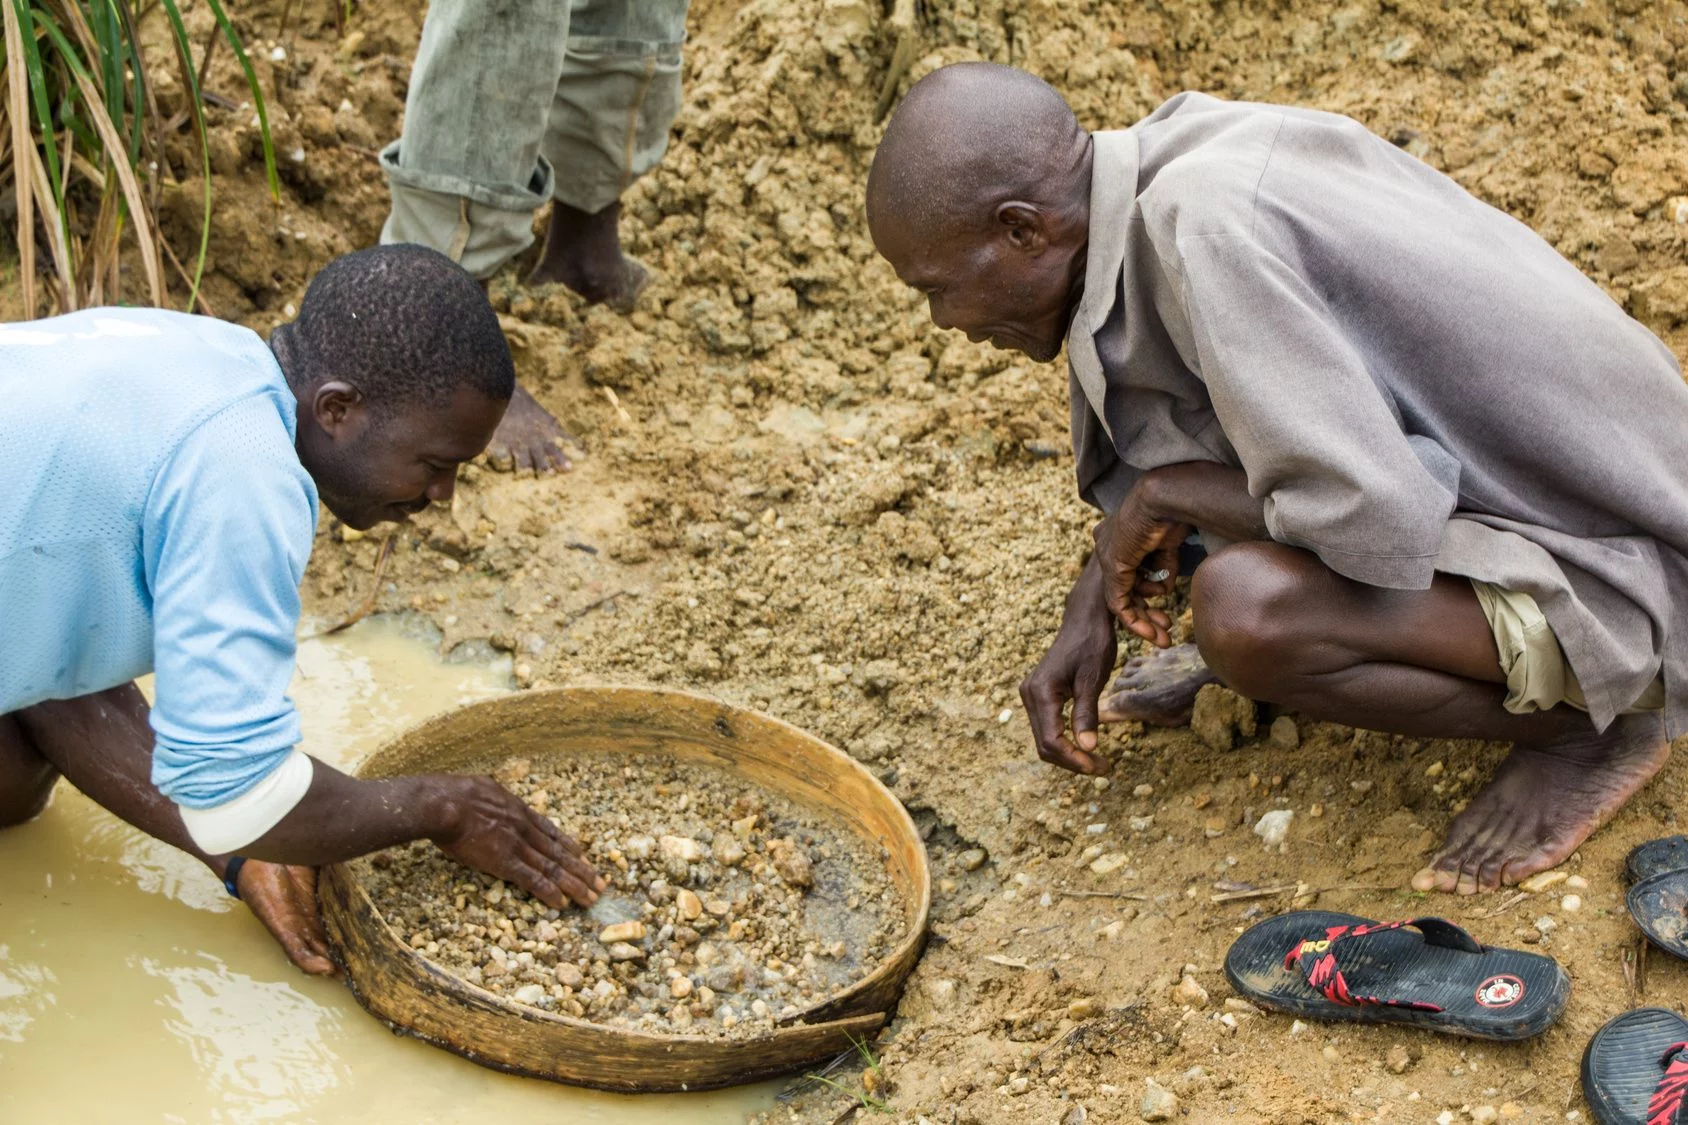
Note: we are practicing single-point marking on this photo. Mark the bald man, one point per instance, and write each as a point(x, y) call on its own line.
point(1442, 478)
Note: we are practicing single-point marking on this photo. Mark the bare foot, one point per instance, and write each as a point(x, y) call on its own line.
point(529, 438)
point(1159, 688)
point(1544, 801)
point(583, 252)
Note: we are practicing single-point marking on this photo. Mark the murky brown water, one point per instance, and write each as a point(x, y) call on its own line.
point(133, 990)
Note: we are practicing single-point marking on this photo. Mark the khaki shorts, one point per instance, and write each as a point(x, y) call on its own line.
point(1537, 674)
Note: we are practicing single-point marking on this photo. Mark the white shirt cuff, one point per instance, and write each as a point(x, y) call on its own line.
point(230, 826)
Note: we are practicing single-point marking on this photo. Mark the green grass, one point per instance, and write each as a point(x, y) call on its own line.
point(866, 1101)
point(83, 137)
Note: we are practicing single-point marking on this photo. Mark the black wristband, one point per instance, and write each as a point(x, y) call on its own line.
point(231, 874)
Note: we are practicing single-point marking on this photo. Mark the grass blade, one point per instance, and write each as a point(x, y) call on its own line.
point(184, 56)
point(113, 141)
point(17, 111)
point(257, 94)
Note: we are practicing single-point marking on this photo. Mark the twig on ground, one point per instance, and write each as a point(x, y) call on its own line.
point(1258, 892)
point(368, 605)
point(590, 606)
point(1135, 897)
point(1511, 901)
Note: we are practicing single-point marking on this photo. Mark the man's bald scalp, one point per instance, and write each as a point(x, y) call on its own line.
point(967, 138)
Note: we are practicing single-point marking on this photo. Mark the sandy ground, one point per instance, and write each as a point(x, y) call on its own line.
point(799, 496)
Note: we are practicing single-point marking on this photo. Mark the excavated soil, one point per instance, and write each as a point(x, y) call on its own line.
point(729, 909)
point(798, 495)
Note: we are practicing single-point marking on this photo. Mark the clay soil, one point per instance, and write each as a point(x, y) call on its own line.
point(799, 496)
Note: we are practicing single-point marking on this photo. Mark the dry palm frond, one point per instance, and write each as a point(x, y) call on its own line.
point(83, 144)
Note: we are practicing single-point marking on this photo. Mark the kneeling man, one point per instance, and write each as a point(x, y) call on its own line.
point(1442, 477)
point(165, 472)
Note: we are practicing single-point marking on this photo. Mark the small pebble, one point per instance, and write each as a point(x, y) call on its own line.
point(1283, 733)
point(622, 951)
point(1570, 904)
point(1159, 1103)
point(1484, 1115)
point(1273, 827)
point(971, 860)
point(1108, 864)
point(622, 931)
point(1144, 790)
point(1540, 881)
point(1297, 1029)
point(1576, 883)
point(1546, 924)
point(1141, 823)
point(1398, 1059)
point(1189, 991)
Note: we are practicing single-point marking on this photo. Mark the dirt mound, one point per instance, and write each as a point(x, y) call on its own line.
point(802, 497)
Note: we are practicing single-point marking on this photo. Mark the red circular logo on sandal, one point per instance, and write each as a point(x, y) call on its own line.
point(1500, 992)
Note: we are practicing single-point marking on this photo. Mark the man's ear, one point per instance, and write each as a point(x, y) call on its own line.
point(339, 408)
point(1025, 225)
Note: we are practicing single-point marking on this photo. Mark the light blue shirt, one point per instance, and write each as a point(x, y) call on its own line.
point(156, 519)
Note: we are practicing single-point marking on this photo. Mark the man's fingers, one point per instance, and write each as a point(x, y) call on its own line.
point(1069, 757)
point(1084, 715)
point(522, 873)
point(579, 891)
point(542, 824)
point(1043, 702)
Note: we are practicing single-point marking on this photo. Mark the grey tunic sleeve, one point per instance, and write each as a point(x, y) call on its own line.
point(1320, 439)
point(1103, 479)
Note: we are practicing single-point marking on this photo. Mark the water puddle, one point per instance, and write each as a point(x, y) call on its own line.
point(133, 989)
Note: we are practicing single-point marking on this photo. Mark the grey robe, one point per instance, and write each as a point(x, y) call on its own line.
point(1413, 381)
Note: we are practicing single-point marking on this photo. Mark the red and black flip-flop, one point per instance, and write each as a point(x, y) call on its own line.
point(1658, 899)
point(1341, 967)
point(1635, 1071)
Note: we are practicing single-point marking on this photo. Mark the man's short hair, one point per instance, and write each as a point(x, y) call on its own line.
point(405, 325)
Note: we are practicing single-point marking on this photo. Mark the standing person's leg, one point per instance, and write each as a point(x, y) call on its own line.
point(617, 98)
point(467, 174)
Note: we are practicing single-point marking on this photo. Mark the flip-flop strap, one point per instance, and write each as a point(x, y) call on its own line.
point(1316, 958)
point(1670, 1097)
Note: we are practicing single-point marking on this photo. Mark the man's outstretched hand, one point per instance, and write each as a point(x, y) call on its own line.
point(1075, 668)
point(491, 830)
point(1130, 542)
point(284, 899)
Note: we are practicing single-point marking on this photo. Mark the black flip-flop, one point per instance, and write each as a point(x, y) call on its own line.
point(1331, 966)
point(1658, 898)
point(1635, 1071)
point(1655, 857)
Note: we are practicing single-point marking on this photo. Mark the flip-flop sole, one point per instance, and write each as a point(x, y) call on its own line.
point(1624, 1062)
point(1659, 905)
point(1496, 994)
point(1655, 857)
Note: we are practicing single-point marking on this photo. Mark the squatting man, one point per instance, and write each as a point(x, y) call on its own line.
point(166, 473)
point(1442, 478)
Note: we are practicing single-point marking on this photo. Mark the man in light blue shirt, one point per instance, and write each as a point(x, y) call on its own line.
point(165, 474)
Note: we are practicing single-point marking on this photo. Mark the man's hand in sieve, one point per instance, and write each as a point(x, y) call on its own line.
point(491, 830)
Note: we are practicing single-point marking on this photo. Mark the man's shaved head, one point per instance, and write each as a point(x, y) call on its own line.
point(968, 137)
point(979, 197)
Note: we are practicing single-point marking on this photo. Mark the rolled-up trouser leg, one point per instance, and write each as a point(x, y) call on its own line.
point(618, 94)
point(467, 174)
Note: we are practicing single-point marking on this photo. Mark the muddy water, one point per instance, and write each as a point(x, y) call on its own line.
point(133, 990)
